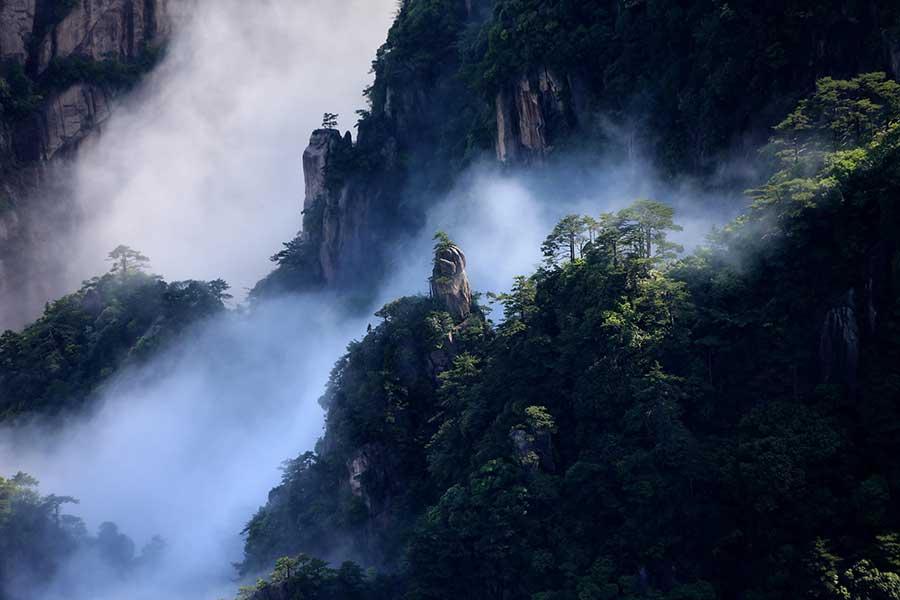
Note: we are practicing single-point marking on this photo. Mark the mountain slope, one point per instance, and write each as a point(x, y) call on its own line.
point(692, 88)
point(716, 426)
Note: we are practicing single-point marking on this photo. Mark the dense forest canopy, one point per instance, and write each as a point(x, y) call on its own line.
point(639, 423)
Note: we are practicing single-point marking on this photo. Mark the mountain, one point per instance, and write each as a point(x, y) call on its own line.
point(694, 88)
point(63, 63)
point(629, 420)
point(638, 425)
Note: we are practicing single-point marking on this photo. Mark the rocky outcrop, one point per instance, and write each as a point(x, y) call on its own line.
point(530, 114)
point(70, 117)
point(533, 450)
point(16, 26)
point(368, 477)
point(108, 29)
point(336, 212)
point(449, 282)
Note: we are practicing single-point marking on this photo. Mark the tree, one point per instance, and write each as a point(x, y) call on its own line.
point(219, 289)
point(442, 242)
point(841, 114)
point(518, 305)
point(329, 120)
point(651, 222)
point(612, 229)
point(568, 239)
point(127, 261)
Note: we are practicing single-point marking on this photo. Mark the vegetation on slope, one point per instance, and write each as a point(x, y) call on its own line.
point(722, 425)
point(55, 363)
point(37, 539)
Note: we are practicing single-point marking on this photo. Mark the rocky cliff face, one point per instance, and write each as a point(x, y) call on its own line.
point(16, 26)
point(531, 113)
point(892, 47)
point(337, 210)
point(107, 29)
point(839, 343)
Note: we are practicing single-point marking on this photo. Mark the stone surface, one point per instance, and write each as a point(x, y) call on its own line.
point(533, 450)
point(109, 29)
point(16, 25)
point(35, 210)
point(892, 45)
point(336, 219)
point(528, 114)
point(839, 343)
point(71, 116)
point(450, 284)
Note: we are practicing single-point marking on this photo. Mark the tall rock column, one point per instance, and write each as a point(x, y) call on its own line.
point(327, 220)
point(449, 282)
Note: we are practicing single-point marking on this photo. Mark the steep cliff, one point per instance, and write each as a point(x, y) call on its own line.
point(528, 83)
point(531, 112)
point(104, 29)
point(63, 65)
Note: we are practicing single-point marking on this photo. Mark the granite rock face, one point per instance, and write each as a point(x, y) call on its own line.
point(450, 284)
point(16, 26)
point(336, 213)
point(108, 29)
point(892, 46)
point(530, 114)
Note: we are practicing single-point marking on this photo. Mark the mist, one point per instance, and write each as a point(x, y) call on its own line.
point(500, 218)
point(200, 167)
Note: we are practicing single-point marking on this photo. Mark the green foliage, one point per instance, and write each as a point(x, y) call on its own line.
point(57, 362)
point(379, 401)
point(635, 236)
point(111, 73)
point(18, 96)
point(442, 242)
point(329, 121)
point(312, 579)
point(37, 539)
point(638, 425)
point(684, 80)
point(22, 92)
point(842, 114)
point(127, 261)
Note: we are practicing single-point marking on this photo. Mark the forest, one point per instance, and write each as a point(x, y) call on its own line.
point(629, 420)
point(638, 423)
